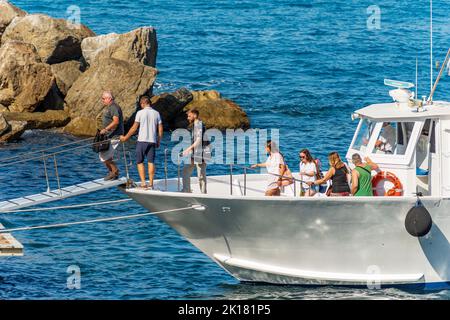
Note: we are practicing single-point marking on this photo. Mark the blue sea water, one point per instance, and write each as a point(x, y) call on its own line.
point(299, 66)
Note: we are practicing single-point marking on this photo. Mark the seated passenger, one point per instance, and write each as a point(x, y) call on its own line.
point(308, 169)
point(339, 175)
point(362, 176)
point(279, 173)
point(386, 140)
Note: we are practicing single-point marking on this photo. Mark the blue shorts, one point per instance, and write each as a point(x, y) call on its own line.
point(145, 150)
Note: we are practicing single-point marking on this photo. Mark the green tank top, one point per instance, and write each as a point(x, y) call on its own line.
point(364, 181)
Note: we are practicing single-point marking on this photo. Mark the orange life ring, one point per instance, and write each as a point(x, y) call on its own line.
point(396, 190)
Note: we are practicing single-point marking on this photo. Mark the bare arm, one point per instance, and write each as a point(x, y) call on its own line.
point(160, 134)
point(131, 132)
point(355, 178)
point(372, 164)
point(327, 177)
point(113, 125)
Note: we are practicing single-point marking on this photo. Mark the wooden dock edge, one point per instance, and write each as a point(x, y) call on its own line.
point(9, 246)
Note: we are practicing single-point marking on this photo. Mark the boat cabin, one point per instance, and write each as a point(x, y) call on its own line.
point(412, 142)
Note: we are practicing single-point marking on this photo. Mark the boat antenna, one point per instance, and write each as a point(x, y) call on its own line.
point(431, 49)
point(417, 80)
point(444, 65)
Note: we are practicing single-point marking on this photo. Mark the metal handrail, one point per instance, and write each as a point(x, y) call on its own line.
point(245, 175)
point(43, 150)
point(48, 155)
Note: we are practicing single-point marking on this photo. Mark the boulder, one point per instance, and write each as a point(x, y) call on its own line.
point(215, 112)
point(170, 105)
point(126, 80)
point(66, 73)
point(56, 40)
point(17, 128)
point(7, 13)
point(80, 126)
point(3, 108)
point(4, 125)
point(24, 80)
point(39, 120)
point(139, 46)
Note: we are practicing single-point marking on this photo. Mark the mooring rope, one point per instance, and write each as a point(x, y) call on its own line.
point(66, 224)
point(92, 204)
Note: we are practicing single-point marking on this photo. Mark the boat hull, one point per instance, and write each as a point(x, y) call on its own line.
point(313, 241)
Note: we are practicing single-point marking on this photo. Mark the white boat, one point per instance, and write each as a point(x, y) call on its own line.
point(331, 240)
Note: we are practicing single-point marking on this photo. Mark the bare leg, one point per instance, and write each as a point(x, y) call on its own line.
point(141, 170)
point(151, 173)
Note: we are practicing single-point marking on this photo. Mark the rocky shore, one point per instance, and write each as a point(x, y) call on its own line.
point(52, 74)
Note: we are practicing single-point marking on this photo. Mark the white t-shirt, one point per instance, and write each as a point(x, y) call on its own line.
point(307, 167)
point(273, 163)
point(148, 119)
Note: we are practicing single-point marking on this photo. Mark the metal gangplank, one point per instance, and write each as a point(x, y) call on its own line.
point(59, 194)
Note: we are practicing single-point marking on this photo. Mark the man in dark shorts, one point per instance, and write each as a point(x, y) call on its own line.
point(148, 120)
point(112, 122)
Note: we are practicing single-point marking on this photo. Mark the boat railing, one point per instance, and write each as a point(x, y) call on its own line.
point(231, 167)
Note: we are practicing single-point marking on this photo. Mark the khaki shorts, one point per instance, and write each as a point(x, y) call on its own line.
point(109, 154)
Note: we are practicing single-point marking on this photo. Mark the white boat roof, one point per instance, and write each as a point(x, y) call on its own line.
point(391, 111)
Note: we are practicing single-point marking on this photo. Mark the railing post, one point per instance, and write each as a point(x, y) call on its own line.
point(231, 179)
point(178, 172)
point(125, 160)
point(245, 181)
point(57, 175)
point(45, 170)
point(165, 167)
point(295, 188)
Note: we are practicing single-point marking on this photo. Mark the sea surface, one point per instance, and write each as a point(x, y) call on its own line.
point(298, 66)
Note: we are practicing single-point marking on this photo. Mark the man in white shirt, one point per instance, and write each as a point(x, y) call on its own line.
point(148, 120)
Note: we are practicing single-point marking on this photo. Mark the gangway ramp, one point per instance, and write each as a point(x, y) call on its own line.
point(58, 194)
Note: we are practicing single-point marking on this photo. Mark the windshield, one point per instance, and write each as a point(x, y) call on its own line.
point(363, 135)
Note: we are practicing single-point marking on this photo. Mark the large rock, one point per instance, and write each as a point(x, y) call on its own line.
point(80, 126)
point(139, 45)
point(4, 125)
point(56, 40)
point(24, 80)
point(17, 128)
point(39, 120)
point(170, 105)
point(215, 112)
point(7, 13)
point(66, 73)
point(126, 80)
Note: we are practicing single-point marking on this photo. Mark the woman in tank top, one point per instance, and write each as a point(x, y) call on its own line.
point(339, 176)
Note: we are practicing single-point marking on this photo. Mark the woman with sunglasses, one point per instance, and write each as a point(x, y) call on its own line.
point(308, 173)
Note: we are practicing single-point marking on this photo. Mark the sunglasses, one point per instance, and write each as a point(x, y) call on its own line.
point(302, 157)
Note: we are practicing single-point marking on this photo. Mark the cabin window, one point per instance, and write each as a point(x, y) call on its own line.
point(393, 138)
point(433, 138)
point(363, 136)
